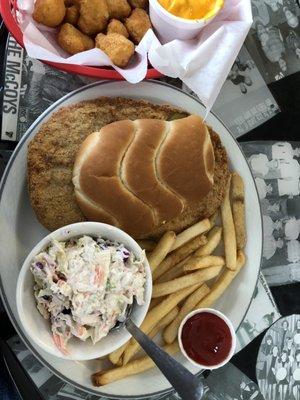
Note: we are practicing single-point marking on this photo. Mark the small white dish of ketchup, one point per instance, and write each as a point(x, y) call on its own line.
point(207, 338)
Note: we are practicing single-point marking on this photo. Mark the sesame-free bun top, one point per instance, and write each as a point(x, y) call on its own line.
point(139, 175)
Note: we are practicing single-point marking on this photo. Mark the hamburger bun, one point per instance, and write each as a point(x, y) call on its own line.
point(140, 174)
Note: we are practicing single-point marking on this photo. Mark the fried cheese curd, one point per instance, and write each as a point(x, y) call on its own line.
point(72, 40)
point(49, 12)
point(116, 26)
point(137, 24)
point(94, 16)
point(138, 3)
point(118, 9)
point(118, 48)
point(72, 15)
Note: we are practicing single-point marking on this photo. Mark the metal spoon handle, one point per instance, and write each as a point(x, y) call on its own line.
point(187, 385)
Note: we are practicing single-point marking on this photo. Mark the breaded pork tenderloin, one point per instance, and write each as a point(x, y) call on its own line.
point(52, 151)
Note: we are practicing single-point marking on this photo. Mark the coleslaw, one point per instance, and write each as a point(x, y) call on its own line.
point(84, 286)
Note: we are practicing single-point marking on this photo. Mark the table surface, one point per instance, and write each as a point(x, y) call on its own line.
point(284, 126)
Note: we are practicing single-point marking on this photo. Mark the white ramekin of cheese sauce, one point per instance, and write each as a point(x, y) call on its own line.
point(182, 19)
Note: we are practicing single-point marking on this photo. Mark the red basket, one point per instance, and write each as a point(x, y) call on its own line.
point(7, 10)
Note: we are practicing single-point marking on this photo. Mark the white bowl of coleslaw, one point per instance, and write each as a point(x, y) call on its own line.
point(76, 284)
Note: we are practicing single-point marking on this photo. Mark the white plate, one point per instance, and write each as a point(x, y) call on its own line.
point(20, 231)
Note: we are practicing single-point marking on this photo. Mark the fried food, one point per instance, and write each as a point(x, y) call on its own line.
point(93, 16)
point(52, 153)
point(49, 12)
point(238, 209)
point(203, 262)
point(164, 288)
point(223, 281)
point(138, 3)
point(134, 367)
point(116, 26)
point(161, 250)
point(173, 273)
point(72, 40)
point(213, 240)
point(154, 303)
point(178, 255)
point(170, 333)
point(228, 232)
point(72, 15)
point(238, 213)
point(165, 321)
point(191, 232)
point(75, 3)
point(137, 24)
point(116, 356)
point(213, 218)
point(118, 9)
point(147, 244)
point(155, 315)
point(118, 48)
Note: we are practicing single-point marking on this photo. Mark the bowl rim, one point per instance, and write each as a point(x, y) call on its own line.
point(227, 322)
point(24, 271)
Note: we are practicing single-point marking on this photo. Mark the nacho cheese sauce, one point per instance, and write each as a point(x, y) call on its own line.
point(192, 9)
point(206, 339)
point(83, 287)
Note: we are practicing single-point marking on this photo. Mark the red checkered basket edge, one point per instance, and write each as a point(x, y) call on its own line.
point(8, 12)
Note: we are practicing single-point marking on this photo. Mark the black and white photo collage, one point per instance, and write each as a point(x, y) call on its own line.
point(274, 39)
point(278, 362)
point(276, 169)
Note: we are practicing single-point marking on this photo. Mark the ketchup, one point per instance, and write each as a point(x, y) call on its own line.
point(206, 338)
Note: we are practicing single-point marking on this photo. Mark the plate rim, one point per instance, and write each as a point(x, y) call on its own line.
point(2, 186)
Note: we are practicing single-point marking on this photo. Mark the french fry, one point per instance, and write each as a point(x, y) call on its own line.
point(165, 321)
point(155, 315)
point(238, 209)
point(191, 232)
point(237, 187)
point(154, 303)
point(134, 367)
point(222, 283)
point(170, 333)
point(164, 288)
point(213, 218)
point(147, 245)
point(116, 356)
point(162, 248)
point(176, 256)
point(228, 233)
point(203, 262)
point(213, 240)
point(173, 273)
